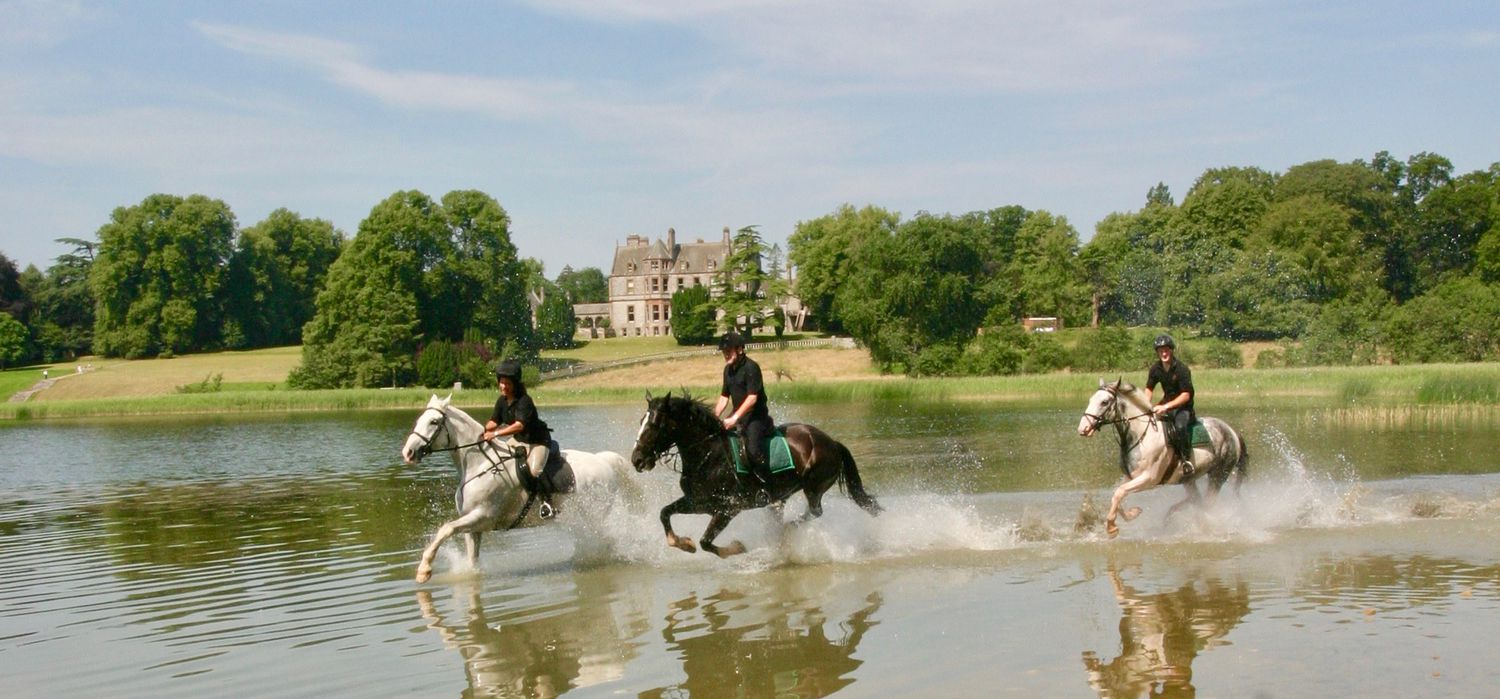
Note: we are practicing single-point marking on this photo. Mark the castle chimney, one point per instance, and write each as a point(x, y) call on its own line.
point(672, 242)
point(726, 236)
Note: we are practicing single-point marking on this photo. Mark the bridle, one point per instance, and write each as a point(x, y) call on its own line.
point(655, 453)
point(1113, 406)
point(442, 427)
point(495, 461)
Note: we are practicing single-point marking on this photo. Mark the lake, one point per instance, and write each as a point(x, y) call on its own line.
point(273, 556)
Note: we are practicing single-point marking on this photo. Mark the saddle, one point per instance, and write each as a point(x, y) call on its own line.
point(779, 454)
point(557, 475)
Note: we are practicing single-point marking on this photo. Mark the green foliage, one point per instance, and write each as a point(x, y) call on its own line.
point(555, 322)
point(13, 299)
point(210, 384)
point(916, 290)
point(1000, 351)
point(1045, 354)
point(159, 275)
point(1260, 295)
point(1345, 332)
point(437, 364)
point(1451, 388)
point(746, 293)
point(62, 308)
point(1459, 321)
point(1215, 353)
point(274, 277)
point(1108, 348)
point(587, 285)
point(823, 251)
point(13, 339)
point(692, 316)
point(415, 270)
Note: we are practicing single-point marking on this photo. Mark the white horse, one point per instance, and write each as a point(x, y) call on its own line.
point(1145, 457)
point(490, 494)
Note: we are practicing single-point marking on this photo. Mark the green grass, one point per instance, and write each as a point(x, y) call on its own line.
point(15, 380)
point(611, 349)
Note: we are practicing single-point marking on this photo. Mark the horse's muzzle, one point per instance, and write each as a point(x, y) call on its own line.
point(642, 462)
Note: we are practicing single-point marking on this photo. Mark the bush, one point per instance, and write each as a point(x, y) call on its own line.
point(1045, 354)
point(1108, 348)
point(1215, 353)
point(995, 353)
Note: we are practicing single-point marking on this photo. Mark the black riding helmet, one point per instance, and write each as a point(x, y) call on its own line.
point(1165, 340)
point(510, 369)
point(731, 340)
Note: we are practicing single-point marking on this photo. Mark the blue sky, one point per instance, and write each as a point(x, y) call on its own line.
point(590, 120)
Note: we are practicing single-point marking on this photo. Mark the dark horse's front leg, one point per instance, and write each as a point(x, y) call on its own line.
point(716, 525)
point(679, 506)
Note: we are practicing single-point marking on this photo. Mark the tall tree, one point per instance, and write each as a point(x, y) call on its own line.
point(277, 269)
point(1051, 281)
point(822, 250)
point(158, 278)
point(483, 284)
point(745, 292)
point(13, 340)
point(12, 297)
point(587, 285)
point(693, 316)
point(914, 299)
point(62, 316)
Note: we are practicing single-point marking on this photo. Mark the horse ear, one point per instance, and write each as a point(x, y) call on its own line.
point(648, 395)
point(1101, 382)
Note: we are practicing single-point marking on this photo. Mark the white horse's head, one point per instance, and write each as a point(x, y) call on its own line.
point(1102, 406)
point(430, 432)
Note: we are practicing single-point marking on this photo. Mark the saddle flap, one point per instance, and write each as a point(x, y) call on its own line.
point(1200, 435)
point(780, 453)
point(558, 472)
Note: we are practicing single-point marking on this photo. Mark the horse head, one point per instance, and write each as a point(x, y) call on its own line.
point(430, 432)
point(1103, 406)
point(654, 436)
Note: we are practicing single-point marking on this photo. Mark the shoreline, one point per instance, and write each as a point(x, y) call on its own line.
point(1377, 388)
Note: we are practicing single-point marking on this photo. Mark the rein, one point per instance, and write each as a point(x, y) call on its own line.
point(1126, 445)
point(495, 462)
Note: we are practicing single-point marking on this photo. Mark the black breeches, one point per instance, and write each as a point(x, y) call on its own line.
point(1180, 432)
point(757, 434)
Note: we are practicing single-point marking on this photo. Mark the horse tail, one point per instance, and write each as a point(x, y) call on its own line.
point(850, 482)
point(1241, 464)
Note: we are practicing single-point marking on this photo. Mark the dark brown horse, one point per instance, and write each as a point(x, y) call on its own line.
point(709, 484)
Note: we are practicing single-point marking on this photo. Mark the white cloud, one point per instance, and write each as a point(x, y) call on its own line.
point(39, 23)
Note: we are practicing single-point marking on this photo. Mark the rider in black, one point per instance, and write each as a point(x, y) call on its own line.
point(515, 417)
point(745, 393)
point(1176, 406)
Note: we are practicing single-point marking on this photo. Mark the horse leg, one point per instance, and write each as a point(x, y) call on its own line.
point(678, 506)
point(814, 505)
point(715, 526)
point(1140, 482)
point(1192, 497)
point(471, 542)
point(465, 523)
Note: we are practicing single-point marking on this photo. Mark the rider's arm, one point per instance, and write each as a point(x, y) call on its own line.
point(745, 407)
point(722, 403)
point(1179, 401)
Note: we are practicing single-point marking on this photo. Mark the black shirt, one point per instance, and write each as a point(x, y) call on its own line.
point(742, 380)
point(1174, 381)
point(522, 410)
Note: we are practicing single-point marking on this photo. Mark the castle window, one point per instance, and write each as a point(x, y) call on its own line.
point(630, 313)
point(629, 286)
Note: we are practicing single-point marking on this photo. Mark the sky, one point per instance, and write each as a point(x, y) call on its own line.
point(590, 120)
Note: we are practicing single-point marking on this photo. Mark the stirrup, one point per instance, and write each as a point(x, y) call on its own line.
point(1187, 468)
point(546, 511)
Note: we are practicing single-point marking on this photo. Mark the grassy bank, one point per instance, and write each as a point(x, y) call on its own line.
point(255, 382)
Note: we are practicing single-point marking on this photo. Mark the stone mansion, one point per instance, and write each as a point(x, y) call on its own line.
point(643, 278)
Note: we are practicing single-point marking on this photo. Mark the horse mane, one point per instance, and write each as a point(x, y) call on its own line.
point(697, 411)
point(445, 405)
point(1136, 396)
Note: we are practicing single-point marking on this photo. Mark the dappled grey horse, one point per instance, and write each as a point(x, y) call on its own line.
point(1144, 456)
point(490, 494)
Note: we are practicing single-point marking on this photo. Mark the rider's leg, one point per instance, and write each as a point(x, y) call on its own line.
point(536, 462)
point(756, 433)
point(1182, 424)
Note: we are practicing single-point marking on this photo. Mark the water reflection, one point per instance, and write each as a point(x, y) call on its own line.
point(539, 654)
point(732, 643)
point(1161, 633)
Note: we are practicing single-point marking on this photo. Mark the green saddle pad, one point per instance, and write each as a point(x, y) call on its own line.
point(781, 454)
point(1200, 435)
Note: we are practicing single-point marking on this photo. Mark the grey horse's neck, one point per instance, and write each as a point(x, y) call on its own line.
point(1131, 403)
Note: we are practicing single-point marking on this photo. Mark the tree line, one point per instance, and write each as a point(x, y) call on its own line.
point(426, 291)
point(1340, 263)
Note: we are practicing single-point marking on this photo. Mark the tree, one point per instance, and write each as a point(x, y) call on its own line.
point(158, 278)
point(746, 293)
point(555, 322)
point(369, 315)
point(693, 316)
point(914, 299)
point(1051, 281)
point(13, 340)
point(482, 285)
point(274, 277)
point(1458, 321)
point(587, 285)
point(1215, 219)
point(822, 250)
point(13, 298)
point(62, 314)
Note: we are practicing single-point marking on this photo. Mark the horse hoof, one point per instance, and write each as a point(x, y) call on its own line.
point(1112, 529)
point(1132, 513)
point(733, 548)
point(683, 543)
